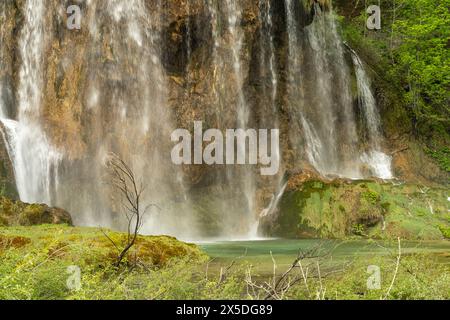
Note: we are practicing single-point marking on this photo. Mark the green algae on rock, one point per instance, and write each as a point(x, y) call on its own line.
point(344, 208)
point(17, 213)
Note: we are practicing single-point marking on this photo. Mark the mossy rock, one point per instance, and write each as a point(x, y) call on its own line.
point(341, 209)
point(14, 212)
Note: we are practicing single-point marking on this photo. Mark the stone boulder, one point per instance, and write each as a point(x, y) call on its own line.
point(17, 213)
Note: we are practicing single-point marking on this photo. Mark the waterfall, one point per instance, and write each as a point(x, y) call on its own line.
point(267, 48)
point(247, 179)
point(274, 201)
point(34, 160)
point(378, 161)
point(237, 183)
point(367, 104)
point(234, 17)
point(118, 96)
point(326, 115)
point(309, 63)
point(332, 117)
point(138, 122)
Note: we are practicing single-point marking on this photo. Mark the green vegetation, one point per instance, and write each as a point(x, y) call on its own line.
point(411, 63)
point(35, 261)
point(419, 278)
point(369, 209)
point(409, 60)
point(445, 231)
point(442, 156)
point(36, 264)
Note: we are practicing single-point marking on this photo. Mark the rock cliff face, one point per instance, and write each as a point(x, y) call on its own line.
point(136, 70)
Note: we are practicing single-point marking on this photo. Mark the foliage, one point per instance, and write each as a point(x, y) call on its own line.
point(410, 55)
point(422, 56)
point(442, 156)
point(35, 260)
point(371, 196)
point(420, 277)
point(445, 231)
point(358, 229)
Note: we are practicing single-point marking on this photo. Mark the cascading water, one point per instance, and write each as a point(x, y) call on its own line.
point(268, 79)
point(378, 161)
point(237, 183)
point(268, 58)
point(132, 85)
point(34, 160)
point(333, 105)
point(326, 114)
point(123, 103)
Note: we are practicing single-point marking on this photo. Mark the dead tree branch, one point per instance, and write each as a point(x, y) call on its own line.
point(278, 286)
point(124, 182)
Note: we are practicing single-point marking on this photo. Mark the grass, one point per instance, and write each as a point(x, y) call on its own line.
point(38, 263)
point(83, 245)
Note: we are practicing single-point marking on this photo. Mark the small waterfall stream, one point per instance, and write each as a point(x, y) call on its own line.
point(375, 158)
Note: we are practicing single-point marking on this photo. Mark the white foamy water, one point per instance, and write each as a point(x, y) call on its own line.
point(34, 160)
point(378, 161)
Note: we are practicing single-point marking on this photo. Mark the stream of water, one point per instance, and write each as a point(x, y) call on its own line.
point(336, 252)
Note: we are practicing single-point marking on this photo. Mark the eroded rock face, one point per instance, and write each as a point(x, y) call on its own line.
point(73, 61)
point(17, 213)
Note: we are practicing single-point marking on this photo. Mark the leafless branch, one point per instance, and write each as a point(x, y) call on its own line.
point(124, 182)
point(396, 269)
point(278, 287)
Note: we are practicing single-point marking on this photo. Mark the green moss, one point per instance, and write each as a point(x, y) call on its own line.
point(31, 215)
point(378, 210)
point(91, 246)
point(358, 229)
point(445, 230)
point(386, 206)
point(371, 197)
point(442, 156)
point(15, 212)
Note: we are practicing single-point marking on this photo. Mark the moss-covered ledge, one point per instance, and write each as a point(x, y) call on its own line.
point(374, 209)
point(18, 213)
point(90, 246)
